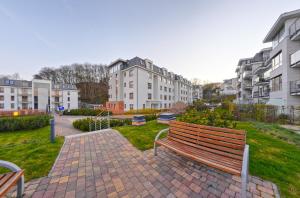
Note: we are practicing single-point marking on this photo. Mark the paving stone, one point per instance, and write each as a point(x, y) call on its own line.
point(105, 164)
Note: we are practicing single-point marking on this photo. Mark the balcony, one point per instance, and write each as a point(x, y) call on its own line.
point(265, 94)
point(247, 74)
point(295, 87)
point(261, 81)
point(295, 59)
point(294, 30)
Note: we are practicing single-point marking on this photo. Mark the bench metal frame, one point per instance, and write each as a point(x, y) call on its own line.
point(15, 168)
point(245, 164)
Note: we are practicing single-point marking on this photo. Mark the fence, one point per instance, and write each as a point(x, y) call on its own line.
point(265, 113)
point(21, 113)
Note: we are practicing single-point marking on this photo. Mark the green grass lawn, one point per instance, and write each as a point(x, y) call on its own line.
point(31, 150)
point(142, 137)
point(274, 151)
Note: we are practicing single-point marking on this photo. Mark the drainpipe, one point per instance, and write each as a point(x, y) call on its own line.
point(137, 88)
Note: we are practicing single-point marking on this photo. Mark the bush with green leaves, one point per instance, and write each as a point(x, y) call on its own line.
point(85, 112)
point(218, 117)
point(86, 123)
point(23, 122)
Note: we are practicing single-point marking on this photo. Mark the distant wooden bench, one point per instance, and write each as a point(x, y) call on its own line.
point(10, 179)
point(220, 148)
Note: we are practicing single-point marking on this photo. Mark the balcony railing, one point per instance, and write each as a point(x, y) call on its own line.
point(295, 59)
point(295, 87)
point(264, 94)
point(294, 28)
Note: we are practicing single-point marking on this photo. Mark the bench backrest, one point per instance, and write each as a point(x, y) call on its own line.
point(222, 141)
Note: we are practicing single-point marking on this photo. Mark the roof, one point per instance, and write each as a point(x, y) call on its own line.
point(279, 23)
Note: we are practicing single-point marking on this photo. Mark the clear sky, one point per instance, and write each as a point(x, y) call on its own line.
point(195, 38)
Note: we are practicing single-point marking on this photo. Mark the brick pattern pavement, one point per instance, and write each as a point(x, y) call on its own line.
point(105, 164)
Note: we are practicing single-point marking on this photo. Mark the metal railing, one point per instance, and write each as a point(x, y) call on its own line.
point(294, 28)
point(295, 58)
point(100, 121)
point(295, 87)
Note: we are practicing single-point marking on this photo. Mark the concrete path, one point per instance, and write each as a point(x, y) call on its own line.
point(64, 126)
point(105, 164)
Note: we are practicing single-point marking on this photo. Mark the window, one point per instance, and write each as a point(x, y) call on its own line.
point(125, 106)
point(165, 97)
point(161, 88)
point(166, 89)
point(276, 83)
point(124, 74)
point(69, 99)
point(131, 106)
point(12, 105)
point(169, 105)
point(1, 89)
point(278, 38)
point(124, 95)
point(12, 98)
point(277, 61)
point(131, 72)
point(170, 90)
point(1, 98)
point(12, 90)
point(1, 106)
point(130, 84)
point(69, 105)
point(149, 96)
point(165, 106)
point(169, 97)
point(130, 96)
point(144, 106)
point(149, 86)
point(68, 93)
point(124, 84)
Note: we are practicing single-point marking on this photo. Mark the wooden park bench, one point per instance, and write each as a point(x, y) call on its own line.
point(220, 148)
point(10, 179)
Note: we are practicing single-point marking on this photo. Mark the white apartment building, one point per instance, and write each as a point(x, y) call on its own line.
point(141, 84)
point(36, 94)
point(272, 76)
point(197, 92)
point(229, 87)
point(285, 60)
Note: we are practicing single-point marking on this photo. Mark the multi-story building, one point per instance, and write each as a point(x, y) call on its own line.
point(197, 92)
point(36, 94)
point(141, 84)
point(244, 80)
point(229, 87)
point(252, 78)
point(285, 60)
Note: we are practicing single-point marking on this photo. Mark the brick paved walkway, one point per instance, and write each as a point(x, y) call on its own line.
point(105, 164)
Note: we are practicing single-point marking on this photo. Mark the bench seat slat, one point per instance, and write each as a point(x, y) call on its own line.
point(234, 163)
point(208, 161)
point(207, 139)
point(8, 181)
point(220, 129)
point(205, 131)
point(237, 154)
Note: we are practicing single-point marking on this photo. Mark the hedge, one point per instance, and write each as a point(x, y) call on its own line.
point(84, 124)
point(23, 123)
point(85, 112)
point(144, 111)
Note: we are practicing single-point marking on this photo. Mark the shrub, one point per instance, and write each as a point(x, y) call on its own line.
point(218, 117)
point(84, 124)
point(23, 123)
point(85, 112)
point(150, 117)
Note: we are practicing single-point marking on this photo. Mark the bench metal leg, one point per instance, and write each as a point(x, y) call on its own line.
point(156, 138)
point(245, 172)
point(20, 187)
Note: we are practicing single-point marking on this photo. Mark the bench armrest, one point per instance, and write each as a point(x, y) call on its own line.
point(14, 168)
point(245, 171)
point(161, 132)
point(157, 137)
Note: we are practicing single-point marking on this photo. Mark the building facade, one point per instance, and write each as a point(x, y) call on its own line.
point(285, 60)
point(140, 84)
point(36, 95)
point(197, 92)
point(229, 87)
point(272, 76)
